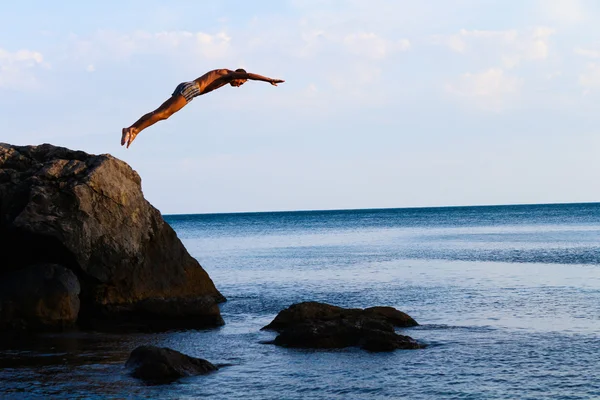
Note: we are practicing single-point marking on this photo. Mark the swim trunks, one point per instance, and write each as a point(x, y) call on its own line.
point(188, 90)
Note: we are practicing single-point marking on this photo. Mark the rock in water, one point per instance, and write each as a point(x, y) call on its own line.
point(312, 310)
point(163, 364)
point(319, 325)
point(87, 214)
point(393, 316)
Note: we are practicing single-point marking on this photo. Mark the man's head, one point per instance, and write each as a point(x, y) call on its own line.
point(238, 82)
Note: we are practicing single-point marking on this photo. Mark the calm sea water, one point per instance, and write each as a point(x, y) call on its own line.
point(508, 299)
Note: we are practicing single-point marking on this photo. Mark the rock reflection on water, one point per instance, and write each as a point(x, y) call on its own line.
point(66, 365)
point(73, 349)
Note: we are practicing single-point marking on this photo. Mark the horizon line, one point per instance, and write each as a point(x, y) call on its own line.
point(384, 208)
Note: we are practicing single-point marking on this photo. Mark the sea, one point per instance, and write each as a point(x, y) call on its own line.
point(507, 298)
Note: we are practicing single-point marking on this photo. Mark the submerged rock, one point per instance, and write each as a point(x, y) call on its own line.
point(87, 214)
point(153, 363)
point(319, 325)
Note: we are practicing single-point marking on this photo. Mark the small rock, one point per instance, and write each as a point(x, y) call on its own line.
point(319, 325)
point(160, 364)
point(393, 316)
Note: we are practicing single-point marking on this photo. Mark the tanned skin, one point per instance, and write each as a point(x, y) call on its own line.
point(206, 83)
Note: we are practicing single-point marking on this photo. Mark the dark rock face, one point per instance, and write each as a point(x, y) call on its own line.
point(311, 310)
point(319, 325)
point(87, 213)
point(393, 316)
point(42, 295)
point(163, 364)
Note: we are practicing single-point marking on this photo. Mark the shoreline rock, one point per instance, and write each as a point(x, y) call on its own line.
point(87, 213)
point(42, 295)
point(323, 326)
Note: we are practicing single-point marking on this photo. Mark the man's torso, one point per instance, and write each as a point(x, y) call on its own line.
point(211, 80)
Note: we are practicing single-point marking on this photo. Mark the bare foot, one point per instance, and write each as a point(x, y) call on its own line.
point(124, 136)
point(127, 136)
point(132, 135)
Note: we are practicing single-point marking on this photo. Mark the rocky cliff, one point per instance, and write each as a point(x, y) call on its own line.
point(79, 244)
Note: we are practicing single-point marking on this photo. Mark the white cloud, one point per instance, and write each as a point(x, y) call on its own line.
point(311, 41)
point(355, 76)
point(465, 39)
point(562, 11)
point(26, 57)
point(17, 70)
point(90, 68)
point(510, 47)
point(489, 89)
point(351, 61)
point(454, 42)
point(360, 44)
point(591, 76)
point(177, 44)
point(590, 53)
point(373, 46)
point(536, 45)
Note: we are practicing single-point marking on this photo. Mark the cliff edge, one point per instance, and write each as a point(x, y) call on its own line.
point(79, 244)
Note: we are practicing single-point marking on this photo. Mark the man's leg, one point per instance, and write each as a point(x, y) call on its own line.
point(172, 105)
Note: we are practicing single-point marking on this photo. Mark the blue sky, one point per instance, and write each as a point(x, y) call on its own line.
point(386, 103)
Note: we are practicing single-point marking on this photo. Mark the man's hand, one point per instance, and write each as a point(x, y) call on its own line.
point(274, 82)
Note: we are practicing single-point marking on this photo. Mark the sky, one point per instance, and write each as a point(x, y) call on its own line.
point(385, 103)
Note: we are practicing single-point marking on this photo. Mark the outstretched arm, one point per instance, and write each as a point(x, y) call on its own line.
point(254, 77)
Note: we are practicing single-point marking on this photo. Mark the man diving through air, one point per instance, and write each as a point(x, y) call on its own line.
point(186, 91)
